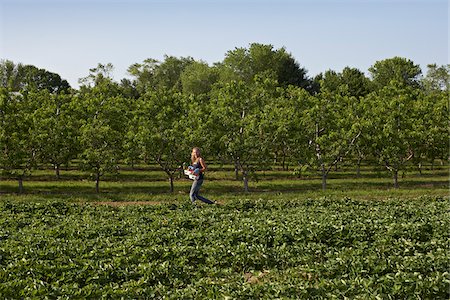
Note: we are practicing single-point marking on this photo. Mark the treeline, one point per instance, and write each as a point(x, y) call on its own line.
point(255, 107)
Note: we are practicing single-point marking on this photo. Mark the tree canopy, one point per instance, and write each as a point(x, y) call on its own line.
point(257, 107)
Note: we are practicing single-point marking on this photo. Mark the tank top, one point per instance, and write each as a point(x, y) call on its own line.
point(197, 165)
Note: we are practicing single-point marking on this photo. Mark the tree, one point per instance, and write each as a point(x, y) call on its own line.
point(128, 89)
point(243, 64)
point(280, 121)
point(332, 130)
point(11, 75)
point(103, 126)
point(162, 116)
point(392, 134)
point(30, 78)
point(17, 152)
point(168, 73)
point(437, 79)
point(143, 74)
point(432, 125)
point(131, 148)
point(56, 129)
point(153, 74)
point(198, 78)
point(235, 121)
point(41, 79)
point(352, 83)
point(399, 69)
point(98, 75)
point(434, 109)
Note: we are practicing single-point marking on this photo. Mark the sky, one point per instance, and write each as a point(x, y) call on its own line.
point(70, 37)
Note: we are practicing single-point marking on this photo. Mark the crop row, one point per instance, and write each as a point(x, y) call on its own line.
point(317, 248)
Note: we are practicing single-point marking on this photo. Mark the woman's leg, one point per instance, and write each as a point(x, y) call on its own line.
point(204, 199)
point(195, 190)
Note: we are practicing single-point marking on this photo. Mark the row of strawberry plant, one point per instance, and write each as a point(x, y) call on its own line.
point(244, 249)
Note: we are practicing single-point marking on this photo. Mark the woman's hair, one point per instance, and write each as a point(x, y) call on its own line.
point(194, 157)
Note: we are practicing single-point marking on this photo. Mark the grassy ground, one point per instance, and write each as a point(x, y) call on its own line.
point(147, 183)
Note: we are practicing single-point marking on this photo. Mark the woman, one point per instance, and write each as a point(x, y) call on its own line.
point(199, 166)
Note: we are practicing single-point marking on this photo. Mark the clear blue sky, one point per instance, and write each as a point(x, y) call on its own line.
point(69, 37)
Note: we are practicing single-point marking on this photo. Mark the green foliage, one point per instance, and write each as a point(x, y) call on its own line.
point(102, 129)
point(17, 154)
point(351, 82)
point(198, 78)
point(243, 64)
point(152, 74)
point(437, 78)
point(281, 124)
point(253, 108)
point(20, 78)
point(162, 120)
point(55, 129)
point(393, 112)
point(235, 120)
point(252, 249)
point(398, 69)
point(332, 128)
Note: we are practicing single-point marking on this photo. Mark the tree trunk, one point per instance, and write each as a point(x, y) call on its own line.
point(245, 179)
point(358, 168)
point(324, 178)
point(97, 183)
point(395, 175)
point(171, 184)
point(57, 171)
point(20, 179)
point(236, 169)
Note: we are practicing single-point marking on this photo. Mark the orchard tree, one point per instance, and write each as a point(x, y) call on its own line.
point(161, 116)
point(432, 125)
point(354, 84)
point(168, 73)
point(197, 120)
point(235, 120)
point(17, 150)
point(103, 126)
point(56, 129)
point(98, 75)
point(131, 148)
point(393, 133)
point(280, 122)
point(435, 111)
point(143, 74)
point(41, 79)
point(128, 89)
point(332, 130)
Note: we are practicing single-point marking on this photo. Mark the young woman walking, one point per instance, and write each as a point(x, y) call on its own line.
point(199, 165)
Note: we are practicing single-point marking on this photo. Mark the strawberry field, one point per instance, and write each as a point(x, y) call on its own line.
point(271, 247)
